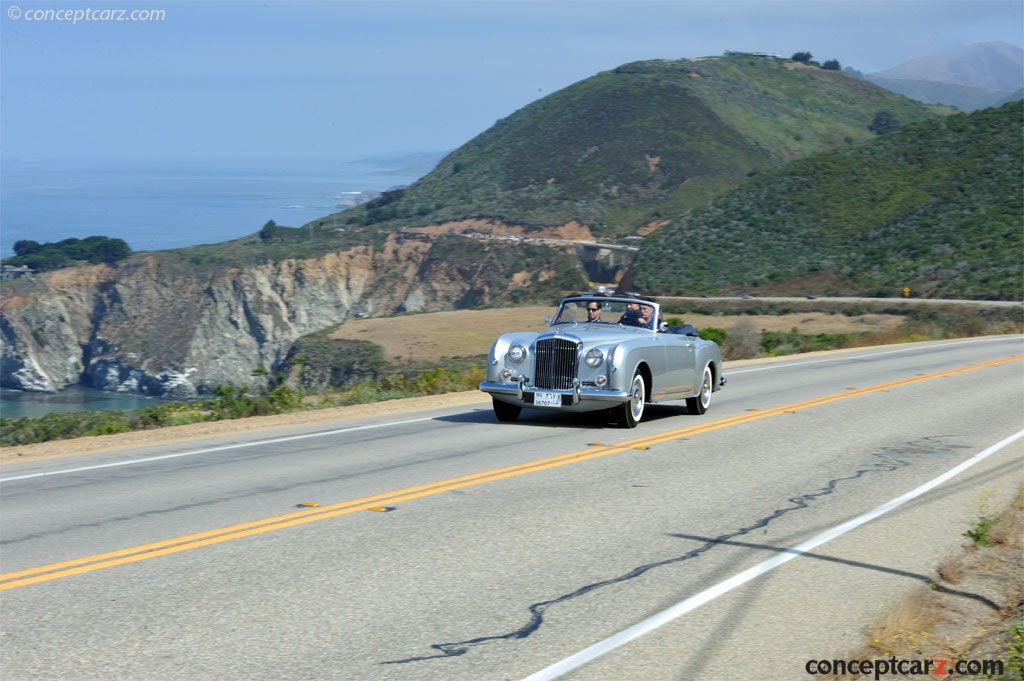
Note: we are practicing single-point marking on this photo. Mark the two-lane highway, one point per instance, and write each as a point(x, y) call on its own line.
point(444, 545)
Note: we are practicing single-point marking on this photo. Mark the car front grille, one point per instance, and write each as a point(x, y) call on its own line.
point(557, 364)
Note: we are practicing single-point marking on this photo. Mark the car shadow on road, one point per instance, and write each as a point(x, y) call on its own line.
point(584, 421)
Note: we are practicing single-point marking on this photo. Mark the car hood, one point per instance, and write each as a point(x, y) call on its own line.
point(594, 334)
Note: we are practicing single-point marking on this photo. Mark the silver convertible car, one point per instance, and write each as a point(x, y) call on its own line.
point(603, 352)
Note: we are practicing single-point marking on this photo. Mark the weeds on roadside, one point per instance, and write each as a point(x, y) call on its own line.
point(1013, 652)
point(979, 531)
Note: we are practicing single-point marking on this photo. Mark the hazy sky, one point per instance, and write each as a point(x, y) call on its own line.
point(346, 79)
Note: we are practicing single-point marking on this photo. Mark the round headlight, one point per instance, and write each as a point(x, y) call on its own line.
point(594, 357)
point(516, 353)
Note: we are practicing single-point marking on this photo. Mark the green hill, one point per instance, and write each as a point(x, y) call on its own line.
point(936, 206)
point(641, 144)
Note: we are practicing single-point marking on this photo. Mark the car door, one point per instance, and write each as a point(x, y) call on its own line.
point(681, 366)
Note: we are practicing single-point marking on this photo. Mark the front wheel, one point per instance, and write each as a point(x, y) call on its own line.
point(632, 411)
point(700, 403)
point(505, 412)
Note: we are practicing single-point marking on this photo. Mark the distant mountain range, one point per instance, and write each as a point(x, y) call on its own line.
point(969, 78)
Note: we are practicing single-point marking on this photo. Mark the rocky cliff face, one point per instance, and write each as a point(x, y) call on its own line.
point(156, 325)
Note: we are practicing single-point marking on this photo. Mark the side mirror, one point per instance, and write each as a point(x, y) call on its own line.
point(663, 327)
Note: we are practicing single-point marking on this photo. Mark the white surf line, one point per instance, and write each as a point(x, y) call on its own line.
point(290, 438)
point(868, 355)
point(693, 602)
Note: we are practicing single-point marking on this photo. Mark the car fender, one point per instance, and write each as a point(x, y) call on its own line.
point(496, 356)
point(708, 353)
point(629, 356)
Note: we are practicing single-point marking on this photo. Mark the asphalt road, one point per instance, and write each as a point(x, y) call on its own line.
point(444, 545)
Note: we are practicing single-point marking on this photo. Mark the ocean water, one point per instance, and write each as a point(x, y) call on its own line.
point(18, 403)
point(162, 204)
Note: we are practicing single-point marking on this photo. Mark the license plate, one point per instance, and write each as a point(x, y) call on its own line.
point(547, 399)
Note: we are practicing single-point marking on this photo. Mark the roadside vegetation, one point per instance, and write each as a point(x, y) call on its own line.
point(938, 622)
point(227, 402)
point(329, 372)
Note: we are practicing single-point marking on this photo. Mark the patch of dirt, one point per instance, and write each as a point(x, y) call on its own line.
point(466, 333)
point(436, 335)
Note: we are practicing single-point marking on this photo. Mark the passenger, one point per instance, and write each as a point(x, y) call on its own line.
point(593, 312)
point(638, 315)
point(631, 317)
point(646, 317)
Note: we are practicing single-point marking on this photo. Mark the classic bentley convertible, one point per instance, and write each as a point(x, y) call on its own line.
point(603, 352)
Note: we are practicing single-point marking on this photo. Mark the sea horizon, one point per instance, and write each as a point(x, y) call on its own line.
point(159, 204)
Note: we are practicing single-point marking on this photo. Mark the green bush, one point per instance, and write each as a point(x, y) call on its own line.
point(52, 256)
point(775, 343)
point(713, 333)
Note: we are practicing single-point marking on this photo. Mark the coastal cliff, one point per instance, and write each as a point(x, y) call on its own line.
point(160, 325)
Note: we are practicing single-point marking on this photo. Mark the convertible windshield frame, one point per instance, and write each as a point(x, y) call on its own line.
point(615, 311)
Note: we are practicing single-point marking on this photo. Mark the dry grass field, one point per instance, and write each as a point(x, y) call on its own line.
point(465, 333)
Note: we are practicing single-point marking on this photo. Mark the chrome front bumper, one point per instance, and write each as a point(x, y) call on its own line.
point(518, 393)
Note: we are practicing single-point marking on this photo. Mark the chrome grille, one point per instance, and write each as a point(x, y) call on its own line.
point(557, 364)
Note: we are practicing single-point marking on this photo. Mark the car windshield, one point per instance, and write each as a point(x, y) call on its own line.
point(601, 311)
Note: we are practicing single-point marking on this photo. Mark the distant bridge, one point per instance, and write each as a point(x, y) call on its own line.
point(594, 245)
point(591, 251)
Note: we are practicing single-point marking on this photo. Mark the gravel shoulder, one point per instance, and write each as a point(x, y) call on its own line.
point(196, 431)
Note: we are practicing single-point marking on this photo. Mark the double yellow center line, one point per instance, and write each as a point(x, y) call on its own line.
point(134, 554)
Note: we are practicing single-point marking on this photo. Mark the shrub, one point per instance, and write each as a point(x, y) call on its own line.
point(715, 334)
point(743, 341)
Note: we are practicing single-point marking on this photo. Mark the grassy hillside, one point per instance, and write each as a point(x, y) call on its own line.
point(936, 206)
point(641, 144)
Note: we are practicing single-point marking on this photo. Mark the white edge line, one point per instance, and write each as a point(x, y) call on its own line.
point(665, 616)
point(193, 452)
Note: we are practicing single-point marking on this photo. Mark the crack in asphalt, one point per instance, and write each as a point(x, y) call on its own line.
point(891, 459)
